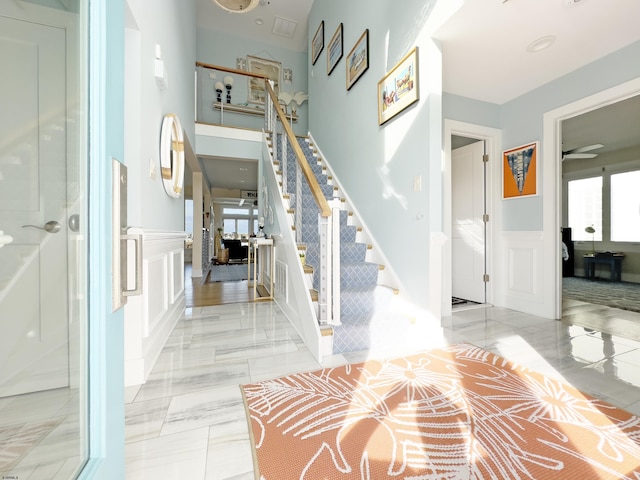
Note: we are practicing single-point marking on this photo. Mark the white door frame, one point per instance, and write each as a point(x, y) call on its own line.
point(493, 139)
point(552, 181)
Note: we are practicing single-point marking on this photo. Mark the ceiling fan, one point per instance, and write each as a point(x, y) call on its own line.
point(581, 152)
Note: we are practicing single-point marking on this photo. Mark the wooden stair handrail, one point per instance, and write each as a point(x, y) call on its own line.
point(316, 191)
point(314, 186)
point(232, 70)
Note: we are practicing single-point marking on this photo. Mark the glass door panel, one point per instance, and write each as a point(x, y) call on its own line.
point(43, 331)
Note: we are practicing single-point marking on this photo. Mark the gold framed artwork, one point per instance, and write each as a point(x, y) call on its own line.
point(269, 68)
point(334, 50)
point(317, 44)
point(358, 59)
point(399, 88)
point(520, 171)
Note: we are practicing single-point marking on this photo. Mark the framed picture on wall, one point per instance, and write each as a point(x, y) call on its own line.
point(269, 68)
point(520, 171)
point(317, 44)
point(358, 59)
point(334, 50)
point(399, 88)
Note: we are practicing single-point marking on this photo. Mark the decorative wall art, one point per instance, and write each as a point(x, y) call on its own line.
point(334, 50)
point(269, 68)
point(317, 44)
point(287, 75)
point(399, 88)
point(358, 59)
point(519, 171)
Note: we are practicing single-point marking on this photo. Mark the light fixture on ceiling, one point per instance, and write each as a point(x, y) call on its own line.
point(259, 21)
point(581, 152)
point(541, 43)
point(237, 6)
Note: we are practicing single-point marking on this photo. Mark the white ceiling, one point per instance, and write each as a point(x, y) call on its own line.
point(212, 16)
point(232, 173)
point(485, 42)
point(485, 51)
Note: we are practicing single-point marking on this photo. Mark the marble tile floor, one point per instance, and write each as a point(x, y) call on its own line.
point(39, 435)
point(188, 422)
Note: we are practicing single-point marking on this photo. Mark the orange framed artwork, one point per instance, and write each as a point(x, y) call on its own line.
point(520, 171)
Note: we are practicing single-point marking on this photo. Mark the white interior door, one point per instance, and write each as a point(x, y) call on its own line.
point(467, 223)
point(34, 352)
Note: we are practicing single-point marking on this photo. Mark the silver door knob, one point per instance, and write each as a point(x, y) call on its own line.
point(51, 226)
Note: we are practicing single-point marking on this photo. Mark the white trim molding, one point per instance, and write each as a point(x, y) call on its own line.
point(552, 183)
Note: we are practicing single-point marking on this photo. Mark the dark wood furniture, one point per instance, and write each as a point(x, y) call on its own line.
point(613, 259)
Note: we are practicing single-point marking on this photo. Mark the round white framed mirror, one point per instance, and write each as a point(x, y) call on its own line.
point(172, 155)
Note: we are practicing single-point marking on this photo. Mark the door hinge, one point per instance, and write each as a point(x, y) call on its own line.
point(485, 278)
point(485, 217)
point(485, 158)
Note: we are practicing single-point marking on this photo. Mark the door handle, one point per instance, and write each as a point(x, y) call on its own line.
point(137, 290)
point(51, 226)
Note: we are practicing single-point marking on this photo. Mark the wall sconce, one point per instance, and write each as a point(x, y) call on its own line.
point(228, 83)
point(158, 69)
point(219, 88)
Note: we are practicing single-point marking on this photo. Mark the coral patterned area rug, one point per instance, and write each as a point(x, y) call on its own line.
point(454, 413)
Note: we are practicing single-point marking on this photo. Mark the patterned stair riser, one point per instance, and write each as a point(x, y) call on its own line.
point(354, 276)
point(310, 212)
point(349, 253)
point(358, 278)
point(310, 233)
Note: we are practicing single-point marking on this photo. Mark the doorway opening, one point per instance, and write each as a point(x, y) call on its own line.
point(600, 167)
point(468, 225)
point(552, 155)
point(469, 214)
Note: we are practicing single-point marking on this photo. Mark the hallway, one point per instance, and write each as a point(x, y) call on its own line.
point(188, 420)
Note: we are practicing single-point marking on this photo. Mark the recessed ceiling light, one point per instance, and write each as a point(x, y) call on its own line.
point(259, 21)
point(541, 43)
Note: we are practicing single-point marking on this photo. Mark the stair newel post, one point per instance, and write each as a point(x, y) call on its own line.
point(324, 282)
point(284, 164)
point(335, 261)
point(298, 207)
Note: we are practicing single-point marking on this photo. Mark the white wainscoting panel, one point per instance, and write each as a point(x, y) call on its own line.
point(522, 272)
point(150, 317)
point(155, 273)
point(177, 273)
point(282, 280)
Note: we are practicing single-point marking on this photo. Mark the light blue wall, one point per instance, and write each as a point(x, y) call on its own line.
point(375, 164)
point(170, 24)
point(522, 118)
point(463, 109)
point(216, 48)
